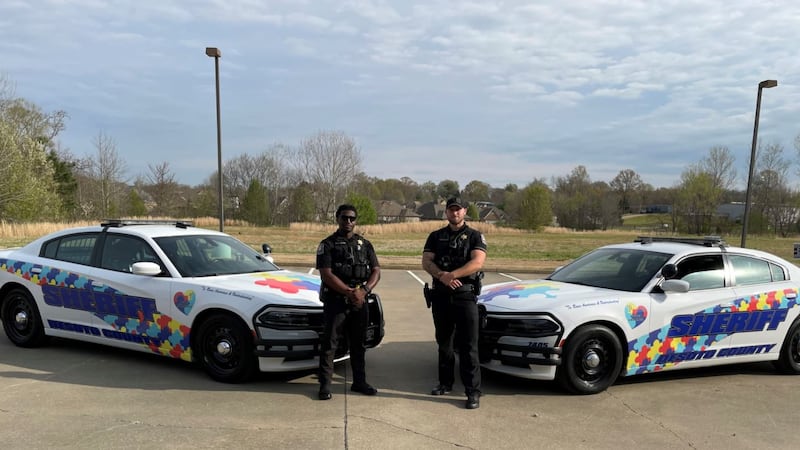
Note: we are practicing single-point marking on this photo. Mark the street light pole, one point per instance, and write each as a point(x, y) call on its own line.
point(214, 52)
point(746, 218)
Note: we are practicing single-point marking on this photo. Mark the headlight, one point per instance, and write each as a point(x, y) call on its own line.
point(286, 318)
point(521, 325)
point(531, 326)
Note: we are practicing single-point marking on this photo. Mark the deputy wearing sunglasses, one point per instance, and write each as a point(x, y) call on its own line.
point(349, 269)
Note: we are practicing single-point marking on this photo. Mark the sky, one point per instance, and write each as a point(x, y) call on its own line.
point(497, 91)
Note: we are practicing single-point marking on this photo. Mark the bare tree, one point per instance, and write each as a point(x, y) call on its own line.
point(328, 161)
point(163, 189)
point(106, 174)
point(719, 164)
point(772, 197)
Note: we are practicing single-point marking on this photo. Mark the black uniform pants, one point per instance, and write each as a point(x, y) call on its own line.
point(455, 316)
point(343, 322)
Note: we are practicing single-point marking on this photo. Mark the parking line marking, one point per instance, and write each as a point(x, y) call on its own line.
point(509, 276)
point(413, 275)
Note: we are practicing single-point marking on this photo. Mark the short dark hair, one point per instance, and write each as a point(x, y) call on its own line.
point(345, 207)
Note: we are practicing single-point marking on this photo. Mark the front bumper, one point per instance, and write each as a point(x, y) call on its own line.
point(523, 345)
point(290, 339)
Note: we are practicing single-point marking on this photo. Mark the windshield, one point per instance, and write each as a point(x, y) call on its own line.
point(209, 255)
point(613, 268)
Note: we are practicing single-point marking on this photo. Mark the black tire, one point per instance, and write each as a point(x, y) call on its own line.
point(225, 349)
point(21, 319)
point(592, 360)
point(789, 360)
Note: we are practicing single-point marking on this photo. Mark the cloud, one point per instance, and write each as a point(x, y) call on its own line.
point(525, 89)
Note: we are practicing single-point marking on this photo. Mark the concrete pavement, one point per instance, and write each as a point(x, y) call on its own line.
point(74, 396)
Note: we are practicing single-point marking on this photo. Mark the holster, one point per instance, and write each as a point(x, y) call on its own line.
point(427, 292)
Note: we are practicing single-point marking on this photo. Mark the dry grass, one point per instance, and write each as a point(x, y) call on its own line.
point(400, 245)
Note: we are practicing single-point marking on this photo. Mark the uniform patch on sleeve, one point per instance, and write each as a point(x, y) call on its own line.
point(483, 239)
point(320, 249)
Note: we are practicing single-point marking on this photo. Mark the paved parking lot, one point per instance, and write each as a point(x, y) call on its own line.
point(75, 396)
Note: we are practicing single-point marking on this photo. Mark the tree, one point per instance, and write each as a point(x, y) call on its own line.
point(571, 203)
point(105, 175)
point(447, 188)
point(698, 197)
point(476, 191)
point(66, 183)
point(534, 206)
point(628, 186)
point(301, 204)
point(366, 211)
point(163, 189)
point(719, 164)
point(772, 198)
point(255, 205)
point(328, 161)
point(136, 207)
point(28, 190)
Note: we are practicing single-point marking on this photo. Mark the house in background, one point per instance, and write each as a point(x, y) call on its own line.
point(389, 211)
point(487, 212)
point(431, 211)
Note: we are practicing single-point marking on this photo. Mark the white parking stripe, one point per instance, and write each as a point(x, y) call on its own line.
point(413, 275)
point(509, 276)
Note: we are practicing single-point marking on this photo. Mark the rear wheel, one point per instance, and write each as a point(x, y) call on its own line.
point(21, 319)
point(592, 360)
point(789, 360)
point(226, 349)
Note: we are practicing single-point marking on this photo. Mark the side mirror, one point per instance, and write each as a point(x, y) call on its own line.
point(669, 271)
point(267, 251)
point(149, 269)
point(675, 286)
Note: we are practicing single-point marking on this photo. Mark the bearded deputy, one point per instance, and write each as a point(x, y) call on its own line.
point(454, 256)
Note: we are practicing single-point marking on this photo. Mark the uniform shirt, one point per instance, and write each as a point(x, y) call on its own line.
point(328, 254)
point(474, 241)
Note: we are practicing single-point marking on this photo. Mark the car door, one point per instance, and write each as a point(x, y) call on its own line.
point(763, 304)
point(131, 310)
point(686, 329)
point(65, 275)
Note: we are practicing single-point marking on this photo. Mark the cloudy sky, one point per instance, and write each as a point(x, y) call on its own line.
point(499, 91)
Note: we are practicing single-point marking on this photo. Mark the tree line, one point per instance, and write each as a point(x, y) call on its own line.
point(42, 181)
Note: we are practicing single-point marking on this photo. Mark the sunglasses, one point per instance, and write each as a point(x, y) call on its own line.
point(348, 218)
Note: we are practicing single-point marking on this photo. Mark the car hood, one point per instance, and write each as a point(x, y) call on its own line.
point(543, 295)
point(276, 287)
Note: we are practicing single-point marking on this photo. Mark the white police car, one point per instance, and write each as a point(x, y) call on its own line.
point(653, 305)
point(169, 289)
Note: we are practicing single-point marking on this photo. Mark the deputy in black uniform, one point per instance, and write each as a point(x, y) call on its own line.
point(349, 269)
point(454, 257)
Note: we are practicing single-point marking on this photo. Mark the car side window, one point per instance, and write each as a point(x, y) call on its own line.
point(749, 270)
point(778, 273)
point(702, 272)
point(75, 249)
point(121, 251)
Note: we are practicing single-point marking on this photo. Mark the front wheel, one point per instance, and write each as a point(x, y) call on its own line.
point(789, 360)
point(226, 349)
point(592, 360)
point(21, 319)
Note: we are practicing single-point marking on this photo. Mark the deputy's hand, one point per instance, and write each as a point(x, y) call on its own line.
point(357, 298)
point(449, 280)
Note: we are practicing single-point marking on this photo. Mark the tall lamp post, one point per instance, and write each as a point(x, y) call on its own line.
point(746, 218)
point(214, 52)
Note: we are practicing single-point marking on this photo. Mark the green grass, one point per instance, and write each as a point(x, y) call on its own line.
point(401, 246)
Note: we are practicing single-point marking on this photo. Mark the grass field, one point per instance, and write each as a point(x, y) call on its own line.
point(400, 245)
